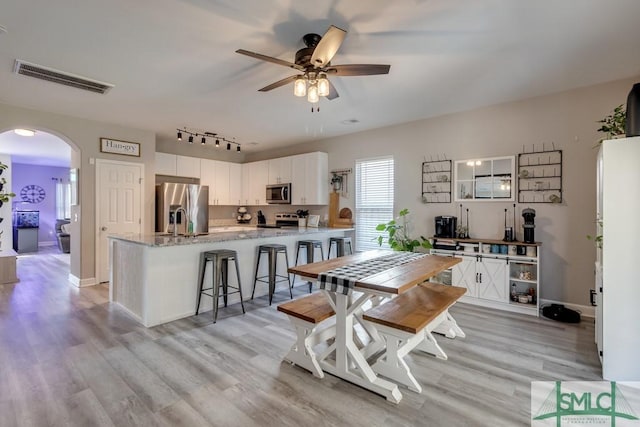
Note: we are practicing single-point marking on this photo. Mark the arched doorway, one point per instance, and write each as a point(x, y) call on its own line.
point(37, 220)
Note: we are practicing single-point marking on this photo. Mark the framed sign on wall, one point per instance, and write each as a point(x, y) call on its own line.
point(114, 146)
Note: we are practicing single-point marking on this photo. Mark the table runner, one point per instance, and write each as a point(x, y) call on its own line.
point(343, 279)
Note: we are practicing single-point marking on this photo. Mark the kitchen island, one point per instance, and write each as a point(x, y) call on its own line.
point(155, 277)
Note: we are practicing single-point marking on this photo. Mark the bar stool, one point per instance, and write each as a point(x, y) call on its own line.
point(220, 261)
point(341, 243)
point(310, 246)
point(272, 250)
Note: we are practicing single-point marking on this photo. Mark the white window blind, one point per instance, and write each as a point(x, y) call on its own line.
point(374, 199)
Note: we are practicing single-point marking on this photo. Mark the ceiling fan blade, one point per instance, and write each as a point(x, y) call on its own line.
point(333, 93)
point(328, 46)
point(279, 83)
point(270, 59)
point(358, 69)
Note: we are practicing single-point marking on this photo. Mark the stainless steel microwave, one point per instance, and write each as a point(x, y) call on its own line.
point(279, 194)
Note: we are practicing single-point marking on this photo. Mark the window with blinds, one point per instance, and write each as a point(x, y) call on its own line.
point(374, 199)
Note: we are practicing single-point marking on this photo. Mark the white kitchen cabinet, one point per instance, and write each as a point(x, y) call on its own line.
point(224, 181)
point(255, 176)
point(208, 178)
point(165, 164)
point(279, 170)
point(489, 277)
point(235, 184)
point(246, 184)
point(188, 166)
point(310, 179)
point(617, 313)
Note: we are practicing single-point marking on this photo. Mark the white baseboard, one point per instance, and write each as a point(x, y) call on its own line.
point(585, 310)
point(49, 243)
point(81, 283)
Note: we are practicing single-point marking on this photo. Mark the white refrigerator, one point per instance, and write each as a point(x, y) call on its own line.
point(618, 262)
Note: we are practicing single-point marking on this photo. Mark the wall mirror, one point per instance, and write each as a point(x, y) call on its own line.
point(485, 179)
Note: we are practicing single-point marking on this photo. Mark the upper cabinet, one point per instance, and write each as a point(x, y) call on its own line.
point(165, 164)
point(279, 170)
point(310, 179)
point(256, 174)
point(171, 164)
point(485, 179)
point(188, 166)
point(224, 180)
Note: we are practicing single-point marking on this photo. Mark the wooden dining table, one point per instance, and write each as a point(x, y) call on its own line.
point(350, 362)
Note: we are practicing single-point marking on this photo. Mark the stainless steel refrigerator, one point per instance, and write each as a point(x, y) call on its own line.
point(193, 198)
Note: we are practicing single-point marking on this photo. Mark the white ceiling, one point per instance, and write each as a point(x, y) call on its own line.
point(41, 149)
point(173, 62)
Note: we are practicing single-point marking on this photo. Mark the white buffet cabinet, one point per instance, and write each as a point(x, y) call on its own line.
point(155, 278)
point(490, 278)
point(234, 184)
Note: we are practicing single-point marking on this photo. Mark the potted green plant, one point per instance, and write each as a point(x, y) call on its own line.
point(398, 234)
point(613, 125)
point(4, 196)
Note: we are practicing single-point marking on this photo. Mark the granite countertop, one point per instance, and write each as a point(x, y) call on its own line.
point(220, 234)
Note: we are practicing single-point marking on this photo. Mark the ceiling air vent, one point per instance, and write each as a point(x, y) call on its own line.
point(60, 77)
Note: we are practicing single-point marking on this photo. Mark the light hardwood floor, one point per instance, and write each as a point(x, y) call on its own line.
point(67, 357)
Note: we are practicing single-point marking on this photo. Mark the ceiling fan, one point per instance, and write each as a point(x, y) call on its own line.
point(314, 64)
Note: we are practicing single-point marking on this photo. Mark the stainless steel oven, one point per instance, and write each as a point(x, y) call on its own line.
point(279, 194)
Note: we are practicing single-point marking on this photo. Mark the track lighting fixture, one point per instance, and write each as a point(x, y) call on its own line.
point(205, 135)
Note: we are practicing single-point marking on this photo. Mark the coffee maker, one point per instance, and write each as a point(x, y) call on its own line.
point(528, 214)
point(446, 226)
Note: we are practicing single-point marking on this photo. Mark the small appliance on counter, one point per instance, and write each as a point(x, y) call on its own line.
point(446, 226)
point(262, 222)
point(529, 214)
point(243, 216)
point(286, 219)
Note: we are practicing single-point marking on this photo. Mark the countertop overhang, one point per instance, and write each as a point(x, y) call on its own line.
point(163, 240)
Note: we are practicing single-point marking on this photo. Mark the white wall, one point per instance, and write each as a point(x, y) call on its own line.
point(568, 119)
point(84, 138)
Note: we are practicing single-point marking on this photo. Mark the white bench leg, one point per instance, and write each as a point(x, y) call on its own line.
point(392, 364)
point(301, 352)
point(449, 327)
point(431, 346)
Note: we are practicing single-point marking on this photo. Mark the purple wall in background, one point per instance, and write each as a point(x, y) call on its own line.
point(22, 175)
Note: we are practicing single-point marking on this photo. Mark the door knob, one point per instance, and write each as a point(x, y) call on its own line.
point(103, 228)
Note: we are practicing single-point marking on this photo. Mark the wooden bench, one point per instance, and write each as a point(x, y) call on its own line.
point(306, 314)
point(407, 322)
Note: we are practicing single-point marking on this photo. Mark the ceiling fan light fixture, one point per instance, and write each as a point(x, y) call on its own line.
point(323, 85)
point(312, 94)
point(300, 86)
point(24, 132)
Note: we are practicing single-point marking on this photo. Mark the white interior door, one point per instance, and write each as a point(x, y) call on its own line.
point(118, 206)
